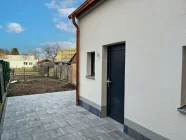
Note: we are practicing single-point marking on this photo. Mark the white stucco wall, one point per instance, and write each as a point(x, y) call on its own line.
point(17, 61)
point(20, 64)
point(154, 31)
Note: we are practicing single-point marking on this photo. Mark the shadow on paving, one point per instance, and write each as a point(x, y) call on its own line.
point(54, 116)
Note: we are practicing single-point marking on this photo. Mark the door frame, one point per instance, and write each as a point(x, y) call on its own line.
point(107, 74)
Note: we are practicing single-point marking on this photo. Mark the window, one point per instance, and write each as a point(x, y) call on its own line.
point(90, 65)
point(25, 63)
point(182, 109)
point(183, 86)
point(30, 63)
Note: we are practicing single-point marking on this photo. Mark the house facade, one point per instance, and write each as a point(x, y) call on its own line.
point(21, 61)
point(132, 64)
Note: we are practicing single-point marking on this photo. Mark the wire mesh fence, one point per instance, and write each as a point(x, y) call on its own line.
point(22, 74)
point(4, 77)
point(66, 73)
point(41, 80)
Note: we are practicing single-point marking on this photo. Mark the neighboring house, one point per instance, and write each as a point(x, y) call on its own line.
point(65, 53)
point(73, 60)
point(62, 62)
point(133, 64)
point(21, 61)
point(42, 61)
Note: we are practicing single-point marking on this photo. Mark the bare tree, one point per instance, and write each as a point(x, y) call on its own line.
point(33, 52)
point(3, 53)
point(26, 54)
point(36, 54)
point(51, 51)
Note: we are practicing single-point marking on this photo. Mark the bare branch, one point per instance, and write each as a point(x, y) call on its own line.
point(51, 51)
point(26, 54)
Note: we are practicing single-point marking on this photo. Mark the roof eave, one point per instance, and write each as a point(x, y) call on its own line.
point(81, 8)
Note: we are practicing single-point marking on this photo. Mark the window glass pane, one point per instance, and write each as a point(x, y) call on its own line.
point(92, 64)
point(183, 85)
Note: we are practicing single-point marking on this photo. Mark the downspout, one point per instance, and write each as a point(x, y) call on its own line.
point(77, 56)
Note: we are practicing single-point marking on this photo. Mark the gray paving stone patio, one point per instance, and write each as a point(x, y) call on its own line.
point(54, 116)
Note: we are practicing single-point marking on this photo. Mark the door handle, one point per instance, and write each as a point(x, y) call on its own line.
point(108, 82)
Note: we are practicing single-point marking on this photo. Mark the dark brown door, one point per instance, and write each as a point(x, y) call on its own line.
point(115, 82)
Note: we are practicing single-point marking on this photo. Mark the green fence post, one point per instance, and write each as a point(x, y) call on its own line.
point(4, 75)
point(8, 73)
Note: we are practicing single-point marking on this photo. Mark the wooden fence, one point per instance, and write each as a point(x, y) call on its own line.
point(64, 72)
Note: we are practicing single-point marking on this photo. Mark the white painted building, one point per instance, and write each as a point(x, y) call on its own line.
point(150, 36)
point(21, 61)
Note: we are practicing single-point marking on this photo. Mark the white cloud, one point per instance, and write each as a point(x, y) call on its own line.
point(41, 52)
point(1, 27)
point(62, 3)
point(14, 28)
point(33, 51)
point(67, 3)
point(64, 12)
point(64, 44)
point(68, 27)
point(51, 5)
point(63, 8)
point(55, 19)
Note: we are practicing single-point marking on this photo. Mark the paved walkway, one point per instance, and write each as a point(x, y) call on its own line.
point(54, 116)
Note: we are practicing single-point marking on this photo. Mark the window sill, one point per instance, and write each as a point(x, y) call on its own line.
point(90, 77)
point(182, 109)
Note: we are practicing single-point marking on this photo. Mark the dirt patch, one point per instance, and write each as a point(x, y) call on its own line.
point(38, 85)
